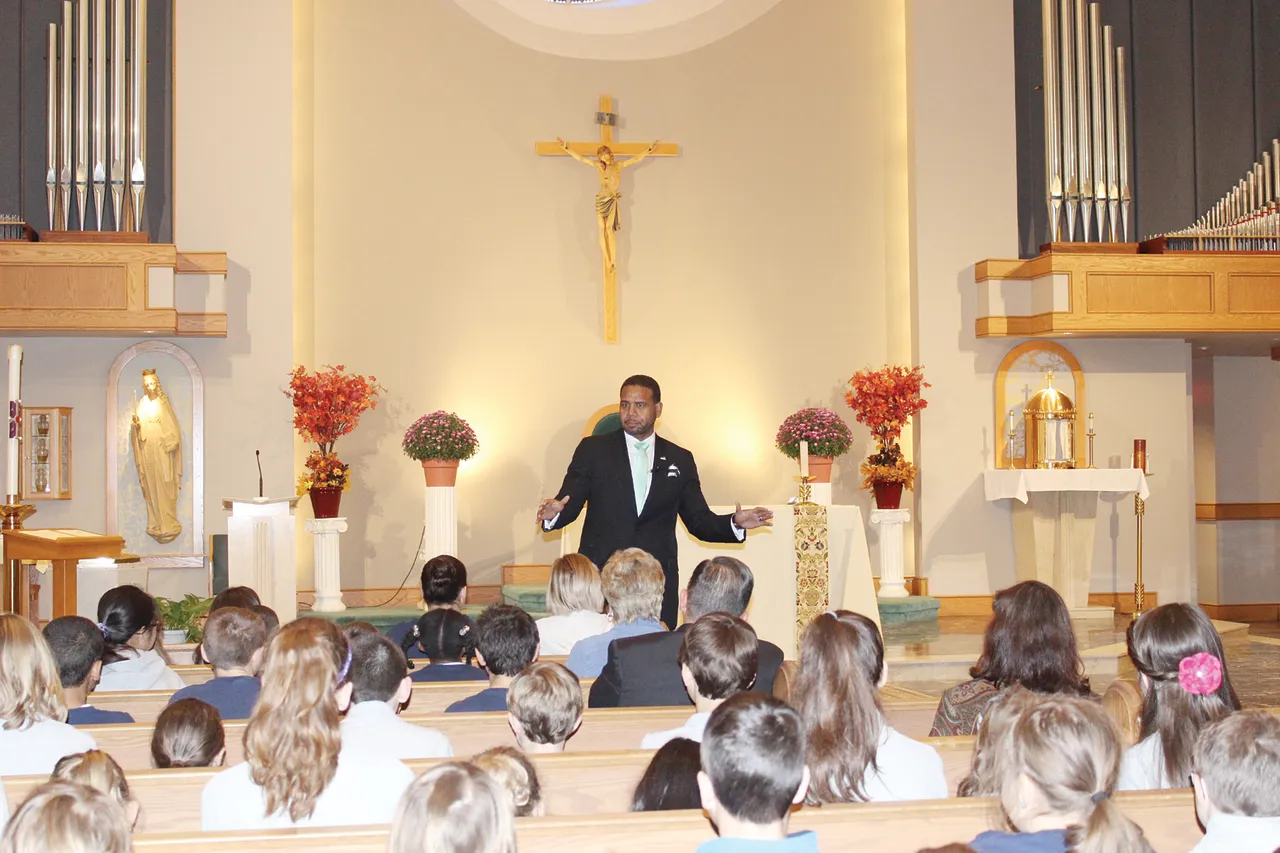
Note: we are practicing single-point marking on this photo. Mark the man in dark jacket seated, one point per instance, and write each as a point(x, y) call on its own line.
point(644, 670)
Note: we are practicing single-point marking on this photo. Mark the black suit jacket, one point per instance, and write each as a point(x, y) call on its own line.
point(599, 477)
point(644, 671)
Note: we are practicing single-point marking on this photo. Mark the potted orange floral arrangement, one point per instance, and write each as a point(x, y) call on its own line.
point(885, 400)
point(327, 405)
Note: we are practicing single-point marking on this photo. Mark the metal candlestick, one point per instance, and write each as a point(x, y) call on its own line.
point(13, 513)
point(806, 490)
point(1012, 434)
point(1139, 592)
point(1090, 434)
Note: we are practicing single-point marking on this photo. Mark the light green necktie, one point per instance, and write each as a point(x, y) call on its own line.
point(640, 473)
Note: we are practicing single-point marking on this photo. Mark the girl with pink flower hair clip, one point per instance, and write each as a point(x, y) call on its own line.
point(1182, 673)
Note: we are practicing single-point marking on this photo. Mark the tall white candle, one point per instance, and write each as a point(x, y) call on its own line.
point(15, 395)
point(804, 459)
point(1091, 422)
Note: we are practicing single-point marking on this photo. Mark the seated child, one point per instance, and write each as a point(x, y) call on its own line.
point(1055, 771)
point(130, 623)
point(453, 808)
point(753, 772)
point(269, 619)
point(506, 643)
point(380, 687)
point(234, 642)
point(718, 658)
point(99, 771)
point(444, 587)
point(59, 817)
point(516, 775)
point(188, 733)
point(77, 646)
point(671, 779)
point(447, 639)
point(33, 735)
point(544, 707)
point(1234, 771)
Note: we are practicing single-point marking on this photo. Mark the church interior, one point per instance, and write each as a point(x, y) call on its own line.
point(397, 190)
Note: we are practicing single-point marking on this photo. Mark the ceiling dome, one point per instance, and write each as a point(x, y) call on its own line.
point(615, 29)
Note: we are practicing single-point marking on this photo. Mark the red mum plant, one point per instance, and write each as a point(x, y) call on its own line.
point(885, 400)
point(327, 405)
point(826, 433)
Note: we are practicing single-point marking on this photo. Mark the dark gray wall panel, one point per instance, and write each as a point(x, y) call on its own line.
point(1266, 72)
point(1222, 45)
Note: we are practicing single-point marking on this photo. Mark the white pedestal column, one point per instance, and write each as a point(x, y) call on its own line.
point(892, 568)
point(441, 521)
point(328, 577)
point(260, 551)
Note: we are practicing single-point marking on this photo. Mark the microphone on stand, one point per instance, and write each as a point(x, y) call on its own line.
point(258, 455)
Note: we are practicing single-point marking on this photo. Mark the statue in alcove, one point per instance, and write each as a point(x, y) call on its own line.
point(157, 454)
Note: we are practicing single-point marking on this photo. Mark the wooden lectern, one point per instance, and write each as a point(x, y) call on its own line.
point(65, 548)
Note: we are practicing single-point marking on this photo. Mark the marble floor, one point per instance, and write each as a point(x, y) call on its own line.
point(1253, 656)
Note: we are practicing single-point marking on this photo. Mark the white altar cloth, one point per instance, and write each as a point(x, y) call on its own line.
point(770, 554)
point(1054, 518)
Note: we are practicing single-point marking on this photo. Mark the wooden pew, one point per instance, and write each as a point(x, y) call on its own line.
point(1167, 818)
point(429, 698)
point(602, 729)
point(573, 784)
point(200, 673)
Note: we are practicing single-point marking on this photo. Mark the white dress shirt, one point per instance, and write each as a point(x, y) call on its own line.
point(1142, 767)
point(373, 727)
point(558, 634)
point(1233, 833)
point(692, 729)
point(364, 790)
point(34, 750)
point(906, 769)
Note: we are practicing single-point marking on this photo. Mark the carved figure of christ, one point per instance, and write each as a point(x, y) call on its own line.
point(603, 157)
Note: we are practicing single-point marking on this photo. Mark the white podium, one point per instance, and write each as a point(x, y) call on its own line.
point(770, 554)
point(1054, 516)
point(893, 573)
point(328, 577)
point(260, 551)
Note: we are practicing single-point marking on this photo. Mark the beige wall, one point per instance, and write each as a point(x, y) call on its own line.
point(233, 193)
point(964, 208)
point(463, 271)
point(1236, 439)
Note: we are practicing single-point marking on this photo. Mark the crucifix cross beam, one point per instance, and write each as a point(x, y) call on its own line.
point(604, 157)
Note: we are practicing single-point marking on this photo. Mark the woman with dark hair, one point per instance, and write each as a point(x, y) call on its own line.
point(448, 640)
point(1029, 642)
point(853, 754)
point(1182, 673)
point(671, 779)
point(444, 587)
point(131, 627)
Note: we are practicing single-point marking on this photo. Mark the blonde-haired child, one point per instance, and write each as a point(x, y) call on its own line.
point(1234, 771)
point(99, 771)
point(33, 734)
point(453, 808)
point(67, 817)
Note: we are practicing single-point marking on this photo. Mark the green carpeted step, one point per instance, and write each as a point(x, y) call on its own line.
point(527, 596)
point(913, 608)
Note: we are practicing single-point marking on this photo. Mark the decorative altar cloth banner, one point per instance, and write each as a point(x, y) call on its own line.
point(770, 552)
point(1017, 483)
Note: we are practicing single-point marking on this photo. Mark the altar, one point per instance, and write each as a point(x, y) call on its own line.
point(770, 553)
point(1054, 518)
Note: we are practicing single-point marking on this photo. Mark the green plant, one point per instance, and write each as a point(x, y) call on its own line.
point(186, 614)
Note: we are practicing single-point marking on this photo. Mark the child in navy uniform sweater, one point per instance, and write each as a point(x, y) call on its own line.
point(77, 646)
point(234, 642)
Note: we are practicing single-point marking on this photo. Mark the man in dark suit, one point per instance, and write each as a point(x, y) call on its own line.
point(646, 671)
point(634, 483)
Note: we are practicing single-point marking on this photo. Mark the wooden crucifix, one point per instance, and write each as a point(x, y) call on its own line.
point(602, 157)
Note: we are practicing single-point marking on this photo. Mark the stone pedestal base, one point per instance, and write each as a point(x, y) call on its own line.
point(328, 577)
point(892, 570)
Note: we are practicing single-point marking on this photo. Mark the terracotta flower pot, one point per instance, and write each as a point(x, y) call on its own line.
point(820, 468)
point(440, 472)
point(325, 502)
point(888, 495)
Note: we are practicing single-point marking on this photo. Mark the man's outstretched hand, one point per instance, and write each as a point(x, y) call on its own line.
point(749, 519)
point(550, 508)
